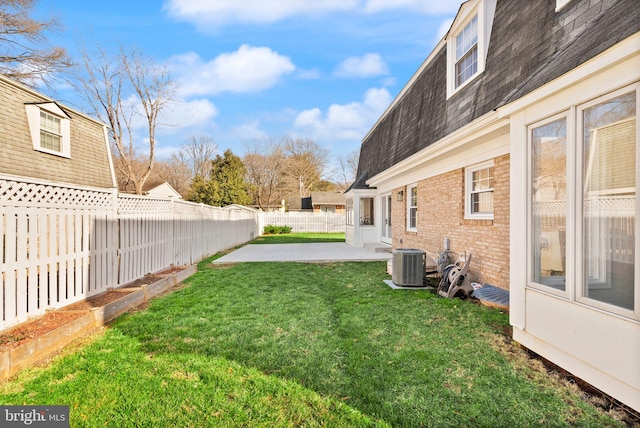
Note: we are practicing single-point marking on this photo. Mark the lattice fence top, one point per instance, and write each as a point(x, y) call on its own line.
point(142, 204)
point(611, 206)
point(34, 193)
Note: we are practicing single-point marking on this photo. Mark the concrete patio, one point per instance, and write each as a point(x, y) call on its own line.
point(312, 252)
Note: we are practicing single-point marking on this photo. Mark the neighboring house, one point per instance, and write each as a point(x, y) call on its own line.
point(42, 139)
point(328, 202)
point(318, 202)
point(298, 204)
point(517, 140)
point(163, 190)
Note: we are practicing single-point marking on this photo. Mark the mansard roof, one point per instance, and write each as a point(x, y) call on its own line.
point(531, 44)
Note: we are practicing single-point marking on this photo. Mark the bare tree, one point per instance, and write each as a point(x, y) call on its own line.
point(265, 163)
point(199, 151)
point(24, 54)
point(107, 85)
point(348, 165)
point(174, 171)
point(306, 161)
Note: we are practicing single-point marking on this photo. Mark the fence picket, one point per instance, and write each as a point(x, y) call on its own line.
point(62, 244)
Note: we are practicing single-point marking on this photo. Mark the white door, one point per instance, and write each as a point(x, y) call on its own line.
point(385, 235)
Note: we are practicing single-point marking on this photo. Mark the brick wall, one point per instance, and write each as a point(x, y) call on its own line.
point(441, 215)
point(89, 162)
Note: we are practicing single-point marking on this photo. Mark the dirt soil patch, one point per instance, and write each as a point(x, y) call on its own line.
point(98, 301)
point(37, 327)
point(172, 269)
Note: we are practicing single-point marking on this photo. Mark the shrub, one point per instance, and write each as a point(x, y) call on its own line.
point(271, 229)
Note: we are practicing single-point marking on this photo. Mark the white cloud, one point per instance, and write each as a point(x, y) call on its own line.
point(185, 114)
point(249, 69)
point(311, 74)
point(250, 131)
point(443, 29)
point(368, 65)
point(222, 12)
point(208, 14)
point(344, 121)
point(429, 7)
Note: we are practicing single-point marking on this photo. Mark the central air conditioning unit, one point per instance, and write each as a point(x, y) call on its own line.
point(408, 267)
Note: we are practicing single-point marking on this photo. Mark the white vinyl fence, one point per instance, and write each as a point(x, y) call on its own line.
point(62, 244)
point(305, 221)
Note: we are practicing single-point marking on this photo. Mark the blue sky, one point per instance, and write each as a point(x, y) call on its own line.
point(265, 69)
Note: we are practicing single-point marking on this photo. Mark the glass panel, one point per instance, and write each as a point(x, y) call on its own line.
point(467, 66)
point(349, 211)
point(49, 141)
point(366, 211)
point(609, 136)
point(413, 209)
point(49, 123)
point(482, 179)
point(482, 203)
point(467, 38)
point(549, 203)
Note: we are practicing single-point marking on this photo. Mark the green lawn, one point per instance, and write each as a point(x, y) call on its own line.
point(299, 238)
point(292, 344)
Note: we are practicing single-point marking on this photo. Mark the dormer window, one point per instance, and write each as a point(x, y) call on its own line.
point(468, 43)
point(50, 128)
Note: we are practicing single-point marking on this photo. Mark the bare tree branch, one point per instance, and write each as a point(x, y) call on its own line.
point(24, 54)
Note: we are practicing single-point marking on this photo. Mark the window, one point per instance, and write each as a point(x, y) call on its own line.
point(50, 128)
point(366, 211)
point(583, 210)
point(50, 132)
point(412, 208)
point(349, 211)
point(549, 204)
point(468, 43)
point(479, 195)
point(467, 52)
point(609, 141)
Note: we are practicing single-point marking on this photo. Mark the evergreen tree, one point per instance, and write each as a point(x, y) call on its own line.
point(228, 173)
point(225, 185)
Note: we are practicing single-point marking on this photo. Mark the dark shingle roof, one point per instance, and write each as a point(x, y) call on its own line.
point(531, 44)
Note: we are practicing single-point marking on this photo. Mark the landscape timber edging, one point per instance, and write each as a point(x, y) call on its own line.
point(15, 358)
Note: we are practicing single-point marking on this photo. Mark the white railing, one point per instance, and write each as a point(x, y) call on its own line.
point(305, 221)
point(62, 244)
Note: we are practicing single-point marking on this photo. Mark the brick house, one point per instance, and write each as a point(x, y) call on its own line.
point(516, 140)
point(44, 140)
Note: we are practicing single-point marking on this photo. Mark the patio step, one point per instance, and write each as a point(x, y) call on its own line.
point(378, 247)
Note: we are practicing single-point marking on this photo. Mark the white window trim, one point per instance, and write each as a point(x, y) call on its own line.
point(569, 279)
point(485, 10)
point(33, 116)
point(467, 191)
point(409, 206)
point(574, 277)
point(580, 296)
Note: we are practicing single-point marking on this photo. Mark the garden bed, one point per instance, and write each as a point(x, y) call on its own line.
point(24, 344)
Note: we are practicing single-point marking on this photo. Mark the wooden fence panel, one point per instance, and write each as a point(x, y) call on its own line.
point(60, 244)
